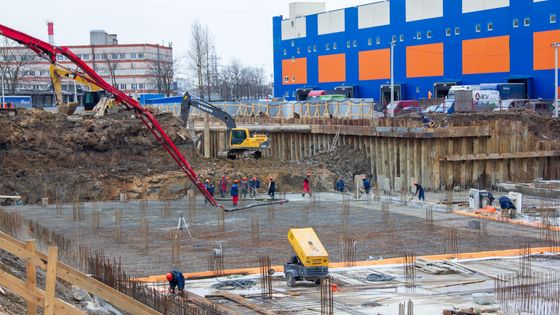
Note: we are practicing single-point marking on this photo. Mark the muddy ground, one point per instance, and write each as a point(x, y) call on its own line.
point(43, 154)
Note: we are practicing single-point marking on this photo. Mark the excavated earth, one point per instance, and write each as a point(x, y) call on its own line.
point(43, 154)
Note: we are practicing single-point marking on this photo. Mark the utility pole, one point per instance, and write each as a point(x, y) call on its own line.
point(556, 45)
point(392, 72)
point(75, 92)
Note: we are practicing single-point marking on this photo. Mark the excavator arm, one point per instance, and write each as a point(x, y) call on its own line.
point(206, 107)
point(50, 52)
point(57, 73)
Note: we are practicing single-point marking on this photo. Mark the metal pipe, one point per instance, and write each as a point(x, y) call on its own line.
point(392, 71)
point(556, 45)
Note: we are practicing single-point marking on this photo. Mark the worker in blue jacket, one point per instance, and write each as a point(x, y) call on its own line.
point(367, 185)
point(176, 279)
point(419, 192)
point(340, 184)
point(506, 203)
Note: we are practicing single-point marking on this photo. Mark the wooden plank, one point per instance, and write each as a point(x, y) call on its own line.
point(245, 302)
point(50, 285)
point(36, 295)
point(500, 156)
point(31, 277)
point(69, 274)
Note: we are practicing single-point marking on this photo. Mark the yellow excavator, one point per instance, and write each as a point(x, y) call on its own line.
point(94, 99)
point(240, 141)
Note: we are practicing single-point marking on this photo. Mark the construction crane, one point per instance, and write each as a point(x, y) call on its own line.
point(240, 141)
point(50, 52)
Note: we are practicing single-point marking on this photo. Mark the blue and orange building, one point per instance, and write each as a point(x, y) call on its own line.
point(438, 43)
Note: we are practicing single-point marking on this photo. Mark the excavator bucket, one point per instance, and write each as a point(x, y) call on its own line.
point(67, 108)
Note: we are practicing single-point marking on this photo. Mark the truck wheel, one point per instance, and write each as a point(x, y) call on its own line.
point(257, 155)
point(318, 281)
point(290, 281)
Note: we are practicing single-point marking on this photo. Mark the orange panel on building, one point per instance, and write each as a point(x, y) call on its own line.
point(294, 71)
point(543, 52)
point(486, 55)
point(375, 64)
point(332, 68)
point(424, 61)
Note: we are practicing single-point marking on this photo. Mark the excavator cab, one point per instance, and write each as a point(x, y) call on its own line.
point(241, 142)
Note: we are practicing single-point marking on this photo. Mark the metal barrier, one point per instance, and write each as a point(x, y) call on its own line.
point(351, 109)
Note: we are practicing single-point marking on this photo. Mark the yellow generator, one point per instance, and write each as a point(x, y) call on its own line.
point(311, 262)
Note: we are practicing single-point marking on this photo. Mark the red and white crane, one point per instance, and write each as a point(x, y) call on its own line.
point(49, 52)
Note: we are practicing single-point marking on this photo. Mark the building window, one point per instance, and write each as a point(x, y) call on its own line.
point(285, 52)
point(133, 55)
point(418, 35)
point(334, 45)
point(141, 56)
point(378, 40)
point(134, 86)
point(286, 94)
point(308, 48)
point(293, 78)
point(114, 56)
point(394, 38)
point(348, 44)
point(355, 43)
point(457, 31)
point(401, 37)
point(490, 27)
point(122, 56)
point(448, 32)
point(286, 79)
point(85, 57)
point(478, 28)
point(553, 18)
point(293, 59)
point(527, 21)
point(515, 23)
point(298, 50)
point(141, 86)
point(293, 43)
point(369, 41)
point(328, 46)
point(429, 34)
point(314, 48)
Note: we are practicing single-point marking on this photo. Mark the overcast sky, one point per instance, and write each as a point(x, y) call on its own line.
point(242, 28)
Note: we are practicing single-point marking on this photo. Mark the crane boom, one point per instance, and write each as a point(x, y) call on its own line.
point(50, 52)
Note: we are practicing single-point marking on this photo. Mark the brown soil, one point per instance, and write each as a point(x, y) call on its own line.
point(43, 154)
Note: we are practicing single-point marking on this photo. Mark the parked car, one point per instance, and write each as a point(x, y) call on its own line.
point(395, 108)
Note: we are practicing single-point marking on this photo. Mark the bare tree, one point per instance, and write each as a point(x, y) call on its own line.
point(237, 81)
point(16, 63)
point(112, 66)
point(163, 70)
point(199, 56)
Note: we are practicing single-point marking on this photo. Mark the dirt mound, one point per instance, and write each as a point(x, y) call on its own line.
point(42, 153)
point(345, 161)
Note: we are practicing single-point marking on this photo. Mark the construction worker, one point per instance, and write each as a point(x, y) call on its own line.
point(244, 187)
point(340, 184)
point(506, 203)
point(234, 193)
point(420, 192)
point(252, 184)
point(271, 187)
point(306, 185)
point(223, 186)
point(366, 184)
point(176, 279)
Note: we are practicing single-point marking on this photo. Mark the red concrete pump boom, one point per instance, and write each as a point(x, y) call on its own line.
point(50, 52)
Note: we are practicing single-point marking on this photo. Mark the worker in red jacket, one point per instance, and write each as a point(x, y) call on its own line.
point(223, 186)
point(306, 185)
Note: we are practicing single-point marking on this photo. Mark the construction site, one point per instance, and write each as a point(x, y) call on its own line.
point(286, 208)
